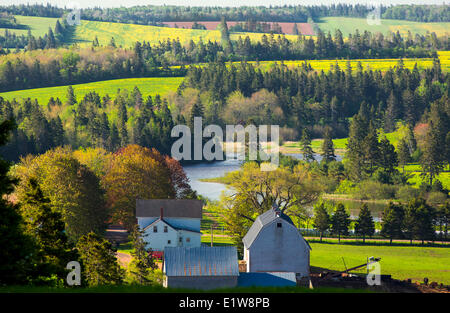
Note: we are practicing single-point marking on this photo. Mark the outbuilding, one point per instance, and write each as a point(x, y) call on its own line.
point(274, 244)
point(201, 267)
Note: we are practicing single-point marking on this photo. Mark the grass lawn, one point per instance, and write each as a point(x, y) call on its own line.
point(401, 262)
point(160, 289)
point(348, 25)
point(147, 86)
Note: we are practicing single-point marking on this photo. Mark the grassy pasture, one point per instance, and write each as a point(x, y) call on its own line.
point(38, 25)
point(127, 34)
point(147, 86)
point(401, 262)
point(348, 25)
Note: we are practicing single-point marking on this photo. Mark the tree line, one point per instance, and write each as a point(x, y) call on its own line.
point(149, 14)
point(415, 220)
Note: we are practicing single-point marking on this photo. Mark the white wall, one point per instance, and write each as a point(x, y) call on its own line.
point(278, 250)
point(159, 240)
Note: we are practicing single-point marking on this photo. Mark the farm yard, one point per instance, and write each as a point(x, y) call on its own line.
point(91, 174)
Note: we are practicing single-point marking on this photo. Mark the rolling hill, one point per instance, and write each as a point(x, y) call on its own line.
point(349, 24)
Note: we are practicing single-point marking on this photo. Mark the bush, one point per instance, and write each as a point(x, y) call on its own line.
point(346, 187)
point(406, 193)
point(436, 198)
point(370, 189)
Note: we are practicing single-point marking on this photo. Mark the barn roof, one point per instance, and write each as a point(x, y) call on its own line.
point(171, 208)
point(262, 220)
point(201, 261)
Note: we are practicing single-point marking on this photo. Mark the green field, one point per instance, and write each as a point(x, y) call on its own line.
point(127, 34)
point(348, 25)
point(147, 86)
point(372, 64)
point(38, 25)
point(401, 262)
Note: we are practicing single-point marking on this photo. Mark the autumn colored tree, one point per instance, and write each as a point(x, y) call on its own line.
point(134, 173)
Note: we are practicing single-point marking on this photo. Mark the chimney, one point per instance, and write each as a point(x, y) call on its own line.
point(161, 217)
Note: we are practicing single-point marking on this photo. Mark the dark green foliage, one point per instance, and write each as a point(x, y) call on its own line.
point(418, 222)
point(328, 147)
point(99, 262)
point(47, 228)
point(340, 221)
point(306, 149)
point(322, 219)
point(142, 262)
point(393, 221)
point(16, 247)
point(364, 224)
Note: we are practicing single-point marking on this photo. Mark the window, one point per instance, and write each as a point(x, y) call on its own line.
point(279, 225)
point(155, 229)
point(169, 242)
point(181, 239)
point(165, 229)
point(188, 239)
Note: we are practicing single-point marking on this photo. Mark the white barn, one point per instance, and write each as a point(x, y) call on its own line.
point(274, 244)
point(170, 222)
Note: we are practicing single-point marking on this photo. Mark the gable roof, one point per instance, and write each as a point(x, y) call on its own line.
point(261, 221)
point(201, 261)
point(171, 226)
point(171, 208)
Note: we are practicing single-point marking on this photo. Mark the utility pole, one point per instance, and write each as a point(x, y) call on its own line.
point(212, 236)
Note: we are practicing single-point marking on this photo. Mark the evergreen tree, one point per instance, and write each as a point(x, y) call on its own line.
point(404, 157)
point(16, 247)
point(142, 264)
point(321, 219)
point(307, 151)
point(48, 230)
point(99, 262)
point(392, 221)
point(371, 149)
point(364, 224)
point(328, 147)
point(419, 220)
point(71, 100)
point(196, 111)
point(340, 221)
point(433, 156)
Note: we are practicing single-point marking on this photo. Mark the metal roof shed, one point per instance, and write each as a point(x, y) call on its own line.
point(201, 268)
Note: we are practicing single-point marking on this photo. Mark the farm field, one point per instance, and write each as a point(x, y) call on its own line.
point(287, 28)
point(38, 25)
point(373, 64)
point(147, 86)
point(348, 25)
point(127, 34)
point(401, 262)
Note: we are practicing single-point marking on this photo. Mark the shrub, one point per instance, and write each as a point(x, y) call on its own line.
point(406, 193)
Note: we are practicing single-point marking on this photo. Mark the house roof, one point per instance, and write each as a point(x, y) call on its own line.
point(261, 221)
point(273, 279)
point(187, 208)
point(201, 261)
point(171, 226)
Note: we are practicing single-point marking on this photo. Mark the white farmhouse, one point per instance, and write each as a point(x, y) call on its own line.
point(170, 222)
point(274, 244)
